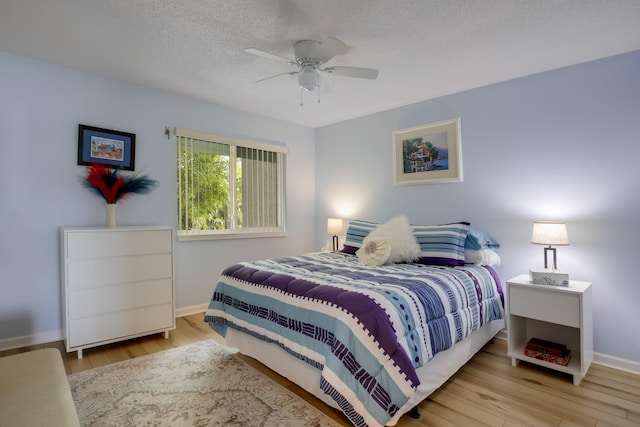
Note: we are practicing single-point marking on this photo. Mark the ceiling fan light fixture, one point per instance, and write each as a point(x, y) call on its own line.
point(308, 79)
point(310, 56)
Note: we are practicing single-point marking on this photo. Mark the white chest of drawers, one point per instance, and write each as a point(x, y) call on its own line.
point(117, 283)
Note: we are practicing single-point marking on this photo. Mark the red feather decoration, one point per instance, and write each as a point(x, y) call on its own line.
point(112, 187)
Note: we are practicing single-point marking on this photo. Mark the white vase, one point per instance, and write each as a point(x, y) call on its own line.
point(111, 214)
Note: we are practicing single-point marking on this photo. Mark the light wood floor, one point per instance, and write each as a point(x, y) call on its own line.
point(487, 391)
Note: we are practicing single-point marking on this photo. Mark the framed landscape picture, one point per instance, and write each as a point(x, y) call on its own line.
point(428, 154)
point(108, 147)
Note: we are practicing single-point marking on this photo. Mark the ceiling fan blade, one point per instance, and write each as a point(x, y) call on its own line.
point(329, 48)
point(361, 73)
point(269, 55)
point(292, 73)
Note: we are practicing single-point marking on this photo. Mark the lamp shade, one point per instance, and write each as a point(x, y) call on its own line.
point(550, 233)
point(334, 226)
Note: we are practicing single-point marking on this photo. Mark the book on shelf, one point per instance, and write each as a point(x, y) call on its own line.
point(546, 346)
point(548, 351)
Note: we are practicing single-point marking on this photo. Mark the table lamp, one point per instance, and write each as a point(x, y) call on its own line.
point(551, 234)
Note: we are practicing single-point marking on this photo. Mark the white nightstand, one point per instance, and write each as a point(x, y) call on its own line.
point(553, 313)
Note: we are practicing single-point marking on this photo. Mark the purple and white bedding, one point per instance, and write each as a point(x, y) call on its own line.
point(366, 329)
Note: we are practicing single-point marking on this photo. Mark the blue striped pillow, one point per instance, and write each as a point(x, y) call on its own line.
point(441, 244)
point(356, 232)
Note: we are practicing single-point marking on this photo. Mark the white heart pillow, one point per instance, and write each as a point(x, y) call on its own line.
point(374, 252)
point(399, 238)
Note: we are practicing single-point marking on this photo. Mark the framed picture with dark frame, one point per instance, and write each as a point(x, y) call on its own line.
point(428, 154)
point(107, 147)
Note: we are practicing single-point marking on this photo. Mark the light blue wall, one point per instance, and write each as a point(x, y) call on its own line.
point(41, 106)
point(558, 145)
point(561, 145)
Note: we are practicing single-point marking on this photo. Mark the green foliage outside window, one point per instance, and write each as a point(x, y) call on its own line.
point(209, 202)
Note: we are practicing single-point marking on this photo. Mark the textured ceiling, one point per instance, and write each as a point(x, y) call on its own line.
point(423, 49)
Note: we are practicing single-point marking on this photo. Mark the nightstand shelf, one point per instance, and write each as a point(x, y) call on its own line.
point(553, 313)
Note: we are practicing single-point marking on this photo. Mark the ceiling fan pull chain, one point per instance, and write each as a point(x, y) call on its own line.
point(301, 103)
point(318, 76)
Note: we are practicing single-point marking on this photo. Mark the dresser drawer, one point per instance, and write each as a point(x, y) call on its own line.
point(121, 325)
point(127, 296)
point(92, 244)
point(98, 272)
point(546, 305)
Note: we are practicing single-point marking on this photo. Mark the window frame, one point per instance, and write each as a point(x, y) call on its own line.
point(281, 231)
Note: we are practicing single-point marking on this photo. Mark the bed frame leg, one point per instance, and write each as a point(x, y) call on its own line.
point(415, 413)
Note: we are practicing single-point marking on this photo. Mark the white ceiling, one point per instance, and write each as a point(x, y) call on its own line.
point(423, 49)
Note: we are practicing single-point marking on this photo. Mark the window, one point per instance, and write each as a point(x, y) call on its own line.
point(229, 188)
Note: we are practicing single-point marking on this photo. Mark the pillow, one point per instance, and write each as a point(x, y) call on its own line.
point(477, 239)
point(374, 251)
point(442, 244)
point(399, 237)
point(482, 257)
point(356, 232)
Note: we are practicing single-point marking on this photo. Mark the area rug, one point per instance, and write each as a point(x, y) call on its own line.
point(202, 384)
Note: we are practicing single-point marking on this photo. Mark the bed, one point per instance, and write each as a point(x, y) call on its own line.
point(370, 340)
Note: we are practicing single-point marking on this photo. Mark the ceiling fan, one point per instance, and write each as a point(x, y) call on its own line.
point(310, 55)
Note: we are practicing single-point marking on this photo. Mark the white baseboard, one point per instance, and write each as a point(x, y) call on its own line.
point(28, 340)
point(194, 309)
point(617, 363)
point(52, 336)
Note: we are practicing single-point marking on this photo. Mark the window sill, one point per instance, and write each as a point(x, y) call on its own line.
point(186, 236)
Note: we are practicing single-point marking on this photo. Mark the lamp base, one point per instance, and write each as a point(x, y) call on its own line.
point(548, 277)
point(335, 243)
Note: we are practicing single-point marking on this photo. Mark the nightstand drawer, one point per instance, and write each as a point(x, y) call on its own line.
point(549, 306)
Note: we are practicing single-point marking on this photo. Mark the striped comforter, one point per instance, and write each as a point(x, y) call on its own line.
point(365, 328)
